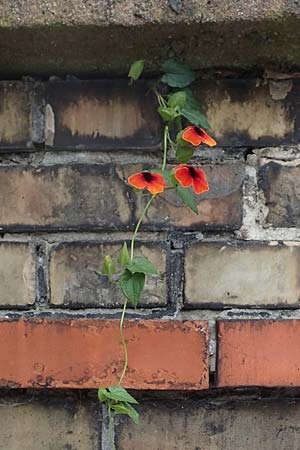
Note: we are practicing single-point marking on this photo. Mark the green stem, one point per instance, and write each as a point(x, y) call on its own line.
point(110, 427)
point(123, 343)
point(166, 135)
point(138, 226)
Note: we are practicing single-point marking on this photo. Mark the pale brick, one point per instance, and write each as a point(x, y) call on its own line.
point(54, 423)
point(242, 274)
point(73, 197)
point(75, 283)
point(17, 274)
point(224, 424)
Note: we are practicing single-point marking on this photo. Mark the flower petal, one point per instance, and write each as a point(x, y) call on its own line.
point(207, 139)
point(190, 135)
point(155, 188)
point(158, 178)
point(183, 176)
point(137, 180)
point(200, 184)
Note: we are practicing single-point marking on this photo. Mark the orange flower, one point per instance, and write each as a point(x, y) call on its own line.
point(190, 176)
point(195, 135)
point(153, 182)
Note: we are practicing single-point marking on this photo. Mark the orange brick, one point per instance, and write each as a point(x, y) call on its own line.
point(86, 353)
point(258, 353)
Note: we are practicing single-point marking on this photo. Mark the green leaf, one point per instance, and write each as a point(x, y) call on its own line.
point(102, 394)
point(141, 264)
point(167, 114)
point(195, 117)
point(184, 153)
point(136, 69)
point(108, 267)
point(124, 257)
point(177, 99)
point(191, 111)
point(177, 75)
point(120, 394)
point(132, 285)
point(125, 408)
point(187, 198)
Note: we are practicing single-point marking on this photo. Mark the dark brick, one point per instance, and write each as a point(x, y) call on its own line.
point(74, 282)
point(18, 106)
point(104, 114)
point(243, 112)
point(58, 422)
point(281, 187)
point(73, 197)
point(213, 424)
point(221, 207)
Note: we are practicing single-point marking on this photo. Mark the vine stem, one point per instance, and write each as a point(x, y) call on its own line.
point(137, 227)
point(123, 343)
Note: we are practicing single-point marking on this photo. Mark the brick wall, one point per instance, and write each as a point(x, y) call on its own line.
point(211, 335)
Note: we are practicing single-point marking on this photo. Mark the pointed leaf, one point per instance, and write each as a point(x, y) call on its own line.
point(141, 264)
point(177, 75)
point(132, 285)
point(177, 99)
point(136, 69)
point(187, 198)
point(184, 153)
point(108, 267)
point(102, 394)
point(118, 393)
point(192, 111)
point(126, 409)
point(124, 257)
point(167, 114)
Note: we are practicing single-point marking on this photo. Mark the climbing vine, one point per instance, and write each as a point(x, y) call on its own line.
point(184, 130)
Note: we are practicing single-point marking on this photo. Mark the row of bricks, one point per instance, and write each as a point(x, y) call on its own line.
point(86, 353)
point(110, 114)
point(97, 196)
point(216, 274)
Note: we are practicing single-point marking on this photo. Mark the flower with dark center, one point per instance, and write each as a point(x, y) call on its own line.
point(191, 176)
point(196, 135)
point(153, 182)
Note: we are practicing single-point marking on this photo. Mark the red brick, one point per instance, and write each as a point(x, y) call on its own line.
point(258, 353)
point(86, 353)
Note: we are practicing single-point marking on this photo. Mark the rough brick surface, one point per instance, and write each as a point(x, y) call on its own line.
point(227, 424)
point(86, 353)
point(16, 105)
point(74, 282)
point(221, 207)
point(281, 187)
point(17, 274)
point(104, 114)
point(258, 353)
point(74, 197)
point(30, 422)
point(225, 273)
point(253, 108)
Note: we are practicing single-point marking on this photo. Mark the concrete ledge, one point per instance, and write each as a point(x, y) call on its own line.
point(43, 38)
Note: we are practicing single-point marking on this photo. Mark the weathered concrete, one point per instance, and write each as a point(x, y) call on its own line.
point(104, 37)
